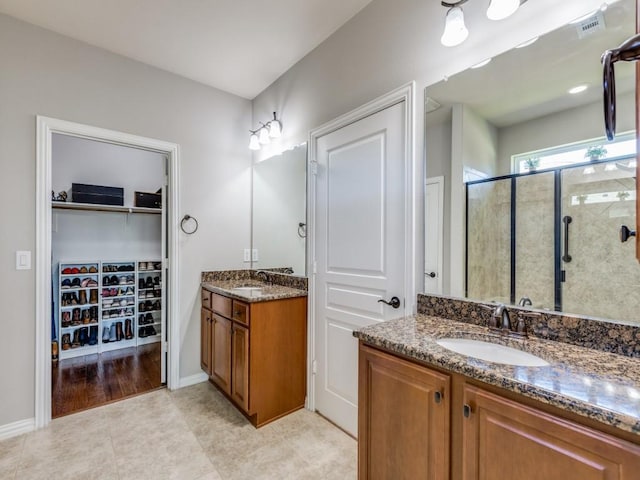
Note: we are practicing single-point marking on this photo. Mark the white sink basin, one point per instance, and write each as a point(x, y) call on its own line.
point(249, 291)
point(492, 352)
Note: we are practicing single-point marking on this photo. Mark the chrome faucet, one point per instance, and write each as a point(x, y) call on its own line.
point(524, 301)
point(262, 275)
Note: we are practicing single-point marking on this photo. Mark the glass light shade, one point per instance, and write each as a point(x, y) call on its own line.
point(610, 167)
point(263, 136)
point(275, 129)
point(254, 143)
point(499, 9)
point(455, 31)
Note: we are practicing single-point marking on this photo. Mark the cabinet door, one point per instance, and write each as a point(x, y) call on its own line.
point(403, 419)
point(221, 352)
point(205, 340)
point(503, 439)
point(240, 366)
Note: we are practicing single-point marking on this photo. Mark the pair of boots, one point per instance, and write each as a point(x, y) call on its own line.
point(70, 299)
point(115, 333)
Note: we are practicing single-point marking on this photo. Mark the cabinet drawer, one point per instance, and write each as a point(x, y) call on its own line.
point(206, 299)
point(221, 305)
point(241, 312)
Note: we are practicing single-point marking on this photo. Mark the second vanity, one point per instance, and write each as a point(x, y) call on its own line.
point(428, 412)
point(253, 344)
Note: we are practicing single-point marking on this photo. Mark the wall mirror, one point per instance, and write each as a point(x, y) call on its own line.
point(530, 217)
point(279, 211)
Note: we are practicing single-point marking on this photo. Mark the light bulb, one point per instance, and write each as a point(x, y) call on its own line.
point(263, 136)
point(500, 9)
point(589, 171)
point(610, 167)
point(275, 127)
point(254, 143)
point(455, 31)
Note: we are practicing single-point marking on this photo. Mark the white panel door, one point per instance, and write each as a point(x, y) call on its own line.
point(433, 231)
point(360, 249)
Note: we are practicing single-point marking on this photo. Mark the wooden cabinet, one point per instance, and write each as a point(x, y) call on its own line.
point(504, 439)
point(472, 433)
point(258, 353)
point(403, 419)
point(221, 353)
point(206, 317)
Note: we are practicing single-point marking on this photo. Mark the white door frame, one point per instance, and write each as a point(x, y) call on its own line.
point(440, 224)
point(405, 94)
point(46, 127)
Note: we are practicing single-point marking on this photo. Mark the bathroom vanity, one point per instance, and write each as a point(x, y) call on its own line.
point(254, 344)
point(455, 416)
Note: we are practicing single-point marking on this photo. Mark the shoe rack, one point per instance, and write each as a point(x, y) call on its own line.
point(108, 305)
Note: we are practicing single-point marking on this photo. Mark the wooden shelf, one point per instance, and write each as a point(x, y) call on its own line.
point(104, 208)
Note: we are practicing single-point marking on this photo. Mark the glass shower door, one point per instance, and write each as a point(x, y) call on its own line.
point(534, 240)
point(489, 241)
point(599, 270)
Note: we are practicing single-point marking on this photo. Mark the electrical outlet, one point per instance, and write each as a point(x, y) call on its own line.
point(254, 255)
point(247, 254)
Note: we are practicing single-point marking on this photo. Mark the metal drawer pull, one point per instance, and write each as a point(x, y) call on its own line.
point(437, 396)
point(466, 410)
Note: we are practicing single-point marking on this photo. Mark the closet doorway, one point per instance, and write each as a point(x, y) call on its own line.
point(107, 276)
point(105, 312)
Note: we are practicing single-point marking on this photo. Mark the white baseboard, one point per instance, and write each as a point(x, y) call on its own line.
point(17, 428)
point(193, 380)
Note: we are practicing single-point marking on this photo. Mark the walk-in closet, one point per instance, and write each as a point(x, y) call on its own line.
point(108, 278)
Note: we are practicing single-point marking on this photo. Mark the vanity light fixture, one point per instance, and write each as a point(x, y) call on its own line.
point(264, 134)
point(456, 32)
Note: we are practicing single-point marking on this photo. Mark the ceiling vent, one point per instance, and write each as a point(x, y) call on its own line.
point(591, 25)
point(430, 105)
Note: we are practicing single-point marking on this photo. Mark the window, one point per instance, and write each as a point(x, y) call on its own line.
point(623, 146)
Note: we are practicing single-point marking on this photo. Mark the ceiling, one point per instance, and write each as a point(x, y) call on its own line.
point(239, 46)
point(531, 82)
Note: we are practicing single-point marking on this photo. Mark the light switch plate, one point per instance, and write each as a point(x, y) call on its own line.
point(254, 255)
point(247, 254)
point(23, 260)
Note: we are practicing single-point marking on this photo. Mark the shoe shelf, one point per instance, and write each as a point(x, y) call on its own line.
point(104, 208)
point(112, 296)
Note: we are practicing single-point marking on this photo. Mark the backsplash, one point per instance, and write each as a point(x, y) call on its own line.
point(576, 330)
point(301, 283)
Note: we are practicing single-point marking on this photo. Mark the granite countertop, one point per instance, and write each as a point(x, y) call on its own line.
point(598, 385)
point(266, 292)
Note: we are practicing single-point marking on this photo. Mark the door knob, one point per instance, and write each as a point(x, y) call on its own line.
point(394, 302)
point(431, 274)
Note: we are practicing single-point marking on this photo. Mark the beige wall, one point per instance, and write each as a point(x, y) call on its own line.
point(44, 73)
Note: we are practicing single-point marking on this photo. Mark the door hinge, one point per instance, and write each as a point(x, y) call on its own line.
point(314, 268)
point(165, 263)
point(165, 347)
point(166, 180)
point(314, 168)
point(314, 367)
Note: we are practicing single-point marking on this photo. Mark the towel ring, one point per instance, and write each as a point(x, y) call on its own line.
point(185, 219)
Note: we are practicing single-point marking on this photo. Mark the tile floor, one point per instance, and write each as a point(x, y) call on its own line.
point(189, 434)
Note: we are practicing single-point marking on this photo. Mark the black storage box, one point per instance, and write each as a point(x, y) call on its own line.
point(149, 200)
point(97, 194)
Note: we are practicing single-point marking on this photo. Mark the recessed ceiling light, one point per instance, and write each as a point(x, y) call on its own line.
point(481, 64)
point(578, 89)
point(528, 42)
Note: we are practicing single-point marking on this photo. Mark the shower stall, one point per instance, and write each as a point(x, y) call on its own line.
point(554, 237)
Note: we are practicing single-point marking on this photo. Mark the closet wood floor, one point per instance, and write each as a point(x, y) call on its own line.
point(93, 380)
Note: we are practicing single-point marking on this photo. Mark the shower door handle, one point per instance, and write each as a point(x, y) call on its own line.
point(566, 220)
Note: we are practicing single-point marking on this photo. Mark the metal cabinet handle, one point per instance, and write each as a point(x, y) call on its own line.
point(431, 274)
point(466, 410)
point(437, 396)
point(394, 302)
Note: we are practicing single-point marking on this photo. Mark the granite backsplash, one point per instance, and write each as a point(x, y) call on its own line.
point(619, 338)
point(273, 276)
